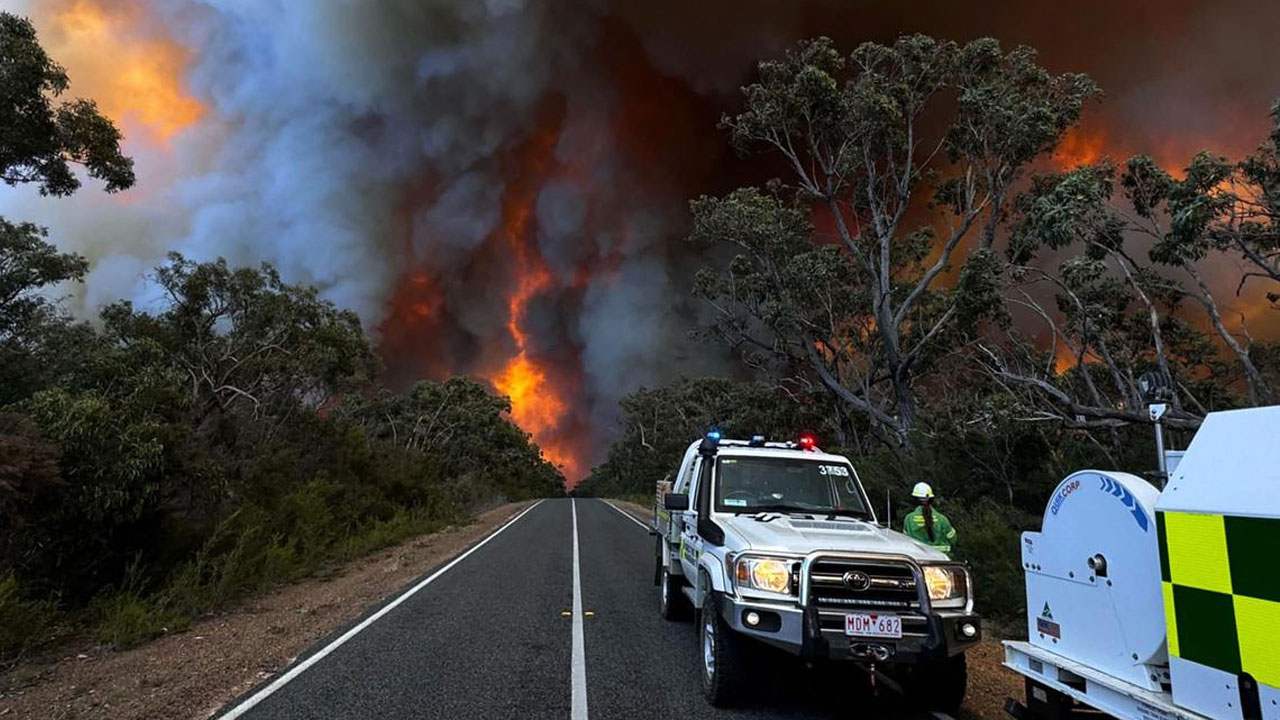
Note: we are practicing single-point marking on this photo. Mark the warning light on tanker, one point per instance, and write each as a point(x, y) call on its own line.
point(808, 441)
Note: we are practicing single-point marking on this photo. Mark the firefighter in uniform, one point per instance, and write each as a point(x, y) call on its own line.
point(926, 524)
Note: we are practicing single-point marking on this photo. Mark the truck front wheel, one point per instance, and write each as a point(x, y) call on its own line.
point(723, 663)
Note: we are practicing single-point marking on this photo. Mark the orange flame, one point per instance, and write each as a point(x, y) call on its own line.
point(536, 405)
point(116, 55)
point(1080, 146)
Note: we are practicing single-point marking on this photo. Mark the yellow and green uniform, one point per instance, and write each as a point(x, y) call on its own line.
point(943, 533)
point(1222, 591)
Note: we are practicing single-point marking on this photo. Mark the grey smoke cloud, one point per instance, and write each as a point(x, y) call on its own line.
point(348, 142)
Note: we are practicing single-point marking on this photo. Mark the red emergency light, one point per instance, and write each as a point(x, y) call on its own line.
point(808, 441)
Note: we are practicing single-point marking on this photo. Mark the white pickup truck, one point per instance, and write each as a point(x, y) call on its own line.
point(777, 543)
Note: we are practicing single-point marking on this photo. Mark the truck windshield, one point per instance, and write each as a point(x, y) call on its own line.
point(751, 484)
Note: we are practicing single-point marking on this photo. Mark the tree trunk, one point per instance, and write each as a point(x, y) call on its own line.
point(906, 407)
point(1259, 390)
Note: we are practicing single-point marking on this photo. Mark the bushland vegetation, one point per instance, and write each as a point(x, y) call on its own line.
point(164, 461)
point(161, 461)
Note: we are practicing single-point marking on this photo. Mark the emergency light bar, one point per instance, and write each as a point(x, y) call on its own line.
point(713, 442)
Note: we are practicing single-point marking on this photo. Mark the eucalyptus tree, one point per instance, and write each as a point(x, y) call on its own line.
point(1143, 289)
point(906, 156)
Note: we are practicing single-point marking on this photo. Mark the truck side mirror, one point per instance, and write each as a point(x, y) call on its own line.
point(676, 501)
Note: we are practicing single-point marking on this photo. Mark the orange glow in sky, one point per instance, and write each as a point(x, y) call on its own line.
point(116, 55)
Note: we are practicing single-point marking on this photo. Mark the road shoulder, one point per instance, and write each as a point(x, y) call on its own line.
point(643, 513)
point(193, 673)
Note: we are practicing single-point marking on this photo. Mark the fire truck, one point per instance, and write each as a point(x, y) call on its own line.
point(776, 543)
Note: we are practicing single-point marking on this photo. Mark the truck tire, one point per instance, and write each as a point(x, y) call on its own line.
point(723, 663)
point(672, 604)
point(941, 684)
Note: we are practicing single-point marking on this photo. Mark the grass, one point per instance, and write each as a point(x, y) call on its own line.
point(641, 499)
point(24, 623)
point(241, 559)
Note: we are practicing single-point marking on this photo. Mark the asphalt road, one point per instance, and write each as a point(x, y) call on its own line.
point(491, 635)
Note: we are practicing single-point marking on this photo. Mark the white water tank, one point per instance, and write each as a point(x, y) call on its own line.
point(1093, 577)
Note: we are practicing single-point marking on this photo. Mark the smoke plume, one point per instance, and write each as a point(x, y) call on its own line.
point(497, 186)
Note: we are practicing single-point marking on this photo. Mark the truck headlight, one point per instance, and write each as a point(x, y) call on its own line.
point(948, 585)
point(763, 573)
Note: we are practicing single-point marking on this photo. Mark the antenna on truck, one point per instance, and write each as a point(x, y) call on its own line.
point(1156, 390)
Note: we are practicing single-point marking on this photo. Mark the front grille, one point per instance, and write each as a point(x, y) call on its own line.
point(894, 585)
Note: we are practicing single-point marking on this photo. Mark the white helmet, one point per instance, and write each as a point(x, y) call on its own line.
point(922, 491)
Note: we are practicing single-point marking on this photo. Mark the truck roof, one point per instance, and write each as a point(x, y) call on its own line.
point(740, 448)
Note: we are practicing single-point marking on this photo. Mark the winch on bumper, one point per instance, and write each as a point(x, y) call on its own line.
point(832, 586)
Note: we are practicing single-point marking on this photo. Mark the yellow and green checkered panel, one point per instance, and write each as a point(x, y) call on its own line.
point(1221, 584)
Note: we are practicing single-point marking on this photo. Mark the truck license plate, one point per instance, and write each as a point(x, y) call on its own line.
point(873, 625)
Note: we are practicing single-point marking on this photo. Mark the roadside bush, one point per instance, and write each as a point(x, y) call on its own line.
point(989, 538)
point(23, 622)
point(124, 619)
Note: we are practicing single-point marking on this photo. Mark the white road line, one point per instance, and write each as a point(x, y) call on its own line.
point(626, 514)
point(579, 666)
point(298, 669)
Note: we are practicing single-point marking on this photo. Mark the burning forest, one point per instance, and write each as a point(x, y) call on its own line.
point(300, 299)
point(498, 189)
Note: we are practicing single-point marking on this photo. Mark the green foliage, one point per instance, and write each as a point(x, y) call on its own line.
point(30, 324)
point(40, 140)
point(991, 543)
point(23, 622)
point(125, 620)
point(244, 341)
point(459, 420)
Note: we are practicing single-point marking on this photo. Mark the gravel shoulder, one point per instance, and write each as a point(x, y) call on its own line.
point(989, 682)
point(194, 673)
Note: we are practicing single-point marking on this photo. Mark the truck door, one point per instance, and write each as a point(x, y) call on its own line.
point(690, 541)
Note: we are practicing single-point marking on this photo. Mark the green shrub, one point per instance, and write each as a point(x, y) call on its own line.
point(988, 537)
point(23, 622)
point(126, 620)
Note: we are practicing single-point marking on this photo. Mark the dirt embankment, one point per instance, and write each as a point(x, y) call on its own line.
point(989, 682)
point(193, 673)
